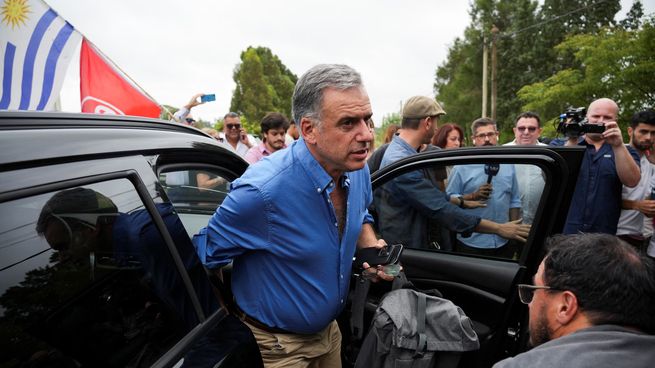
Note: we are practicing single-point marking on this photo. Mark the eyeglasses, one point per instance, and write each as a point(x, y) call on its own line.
point(526, 292)
point(190, 120)
point(485, 135)
point(530, 129)
point(233, 126)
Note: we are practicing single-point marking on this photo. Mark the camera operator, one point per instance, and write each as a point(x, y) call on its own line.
point(607, 166)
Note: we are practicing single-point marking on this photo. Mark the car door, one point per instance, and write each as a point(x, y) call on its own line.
point(483, 284)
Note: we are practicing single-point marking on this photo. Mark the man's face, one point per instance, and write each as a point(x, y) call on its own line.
point(232, 128)
point(485, 136)
point(527, 131)
point(274, 139)
point(540, 331)
point(341, 141)
point(642, 136)
point(599, 113)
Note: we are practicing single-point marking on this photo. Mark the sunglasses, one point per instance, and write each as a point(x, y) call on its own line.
point(530, 129)
point(526, 292)
point(190, 120)
point(233, 126)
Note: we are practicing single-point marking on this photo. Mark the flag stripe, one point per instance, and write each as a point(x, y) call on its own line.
point(51, 63)
point(30, 56)
point(10, 51)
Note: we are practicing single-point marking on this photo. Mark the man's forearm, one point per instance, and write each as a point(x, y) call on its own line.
point(514, 214)
point(367, 237)
point(626, 167)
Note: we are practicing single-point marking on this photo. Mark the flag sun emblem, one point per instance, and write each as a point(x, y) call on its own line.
point(14, 12)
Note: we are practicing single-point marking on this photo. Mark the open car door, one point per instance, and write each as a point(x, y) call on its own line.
point(482, 283)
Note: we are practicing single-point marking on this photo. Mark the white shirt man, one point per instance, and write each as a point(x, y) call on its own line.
point(527, 129)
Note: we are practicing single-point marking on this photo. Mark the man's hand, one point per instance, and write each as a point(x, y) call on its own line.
point(243, 137)
point(195, 101)
point(473, 204)
point(612, 134)
point(376, 274)
point(514, 230)
point(482, 193)
point(647, 207)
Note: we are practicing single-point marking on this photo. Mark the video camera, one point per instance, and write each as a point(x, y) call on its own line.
point(574, 123)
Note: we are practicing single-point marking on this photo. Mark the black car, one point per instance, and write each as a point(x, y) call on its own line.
point(97, 267)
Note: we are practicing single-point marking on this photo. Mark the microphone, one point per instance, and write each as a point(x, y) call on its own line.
point(491, 170)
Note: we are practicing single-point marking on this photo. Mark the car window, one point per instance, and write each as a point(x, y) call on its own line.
point(195, 194)
point(87, 279)
point(412, 208)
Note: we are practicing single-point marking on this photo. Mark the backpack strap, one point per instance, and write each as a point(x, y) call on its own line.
point(358, 305)
point(422, 345)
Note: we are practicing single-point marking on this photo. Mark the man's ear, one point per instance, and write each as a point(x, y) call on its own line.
point(567, 307)
point(630, 130)
point(308, 130)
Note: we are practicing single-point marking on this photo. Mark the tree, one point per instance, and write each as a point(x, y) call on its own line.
point(616, 63)
point(263, 84)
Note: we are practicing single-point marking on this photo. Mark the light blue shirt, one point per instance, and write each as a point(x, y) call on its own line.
point(505, 195)
point(290, 268)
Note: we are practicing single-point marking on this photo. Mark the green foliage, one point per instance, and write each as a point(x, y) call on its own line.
point(263, 84)
point(617, 63)
point(526, 54)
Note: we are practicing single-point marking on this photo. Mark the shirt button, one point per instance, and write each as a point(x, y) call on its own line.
point(341, 301)
point(335, 224)
point(341, 276)
point(318, 190)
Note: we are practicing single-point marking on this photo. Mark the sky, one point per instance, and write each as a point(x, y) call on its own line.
point(175, 49)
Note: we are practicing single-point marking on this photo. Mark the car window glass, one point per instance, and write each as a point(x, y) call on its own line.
point(86, 279)
point(413, 208)
point(195, 194)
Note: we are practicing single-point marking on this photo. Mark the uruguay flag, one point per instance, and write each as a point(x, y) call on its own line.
point(36, 46)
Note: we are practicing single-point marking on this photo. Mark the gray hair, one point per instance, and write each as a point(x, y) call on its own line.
point(308, 94)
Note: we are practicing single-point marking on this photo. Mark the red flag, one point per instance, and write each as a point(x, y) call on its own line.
point(104, 90)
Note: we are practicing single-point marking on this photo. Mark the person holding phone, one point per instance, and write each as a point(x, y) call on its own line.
point(235, 138)
point(183, 115)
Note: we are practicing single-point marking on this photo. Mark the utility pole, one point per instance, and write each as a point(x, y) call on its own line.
point(494, 65)
point(485, 68)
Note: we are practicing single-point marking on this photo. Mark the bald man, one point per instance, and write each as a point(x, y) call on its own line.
point(607, 165)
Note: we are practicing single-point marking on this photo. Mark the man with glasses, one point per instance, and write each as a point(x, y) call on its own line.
point(497, 185)
point(235, 138)
point(527, 129)
point(591, 305)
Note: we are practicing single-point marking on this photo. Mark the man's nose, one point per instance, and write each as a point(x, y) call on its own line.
point(365, 132)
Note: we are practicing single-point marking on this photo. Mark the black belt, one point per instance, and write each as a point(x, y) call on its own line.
point(244, 317)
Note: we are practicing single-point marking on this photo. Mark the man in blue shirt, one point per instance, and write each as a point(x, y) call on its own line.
point(406, 203)
point(291, 225)
point(606, 166)
point(503, 202)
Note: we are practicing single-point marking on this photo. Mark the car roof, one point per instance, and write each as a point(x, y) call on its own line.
point(30, 137)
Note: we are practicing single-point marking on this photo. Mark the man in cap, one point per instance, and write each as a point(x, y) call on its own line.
point(406, 203)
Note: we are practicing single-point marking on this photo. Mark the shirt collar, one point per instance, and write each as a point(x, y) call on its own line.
point(403, 144)
point(321, 180)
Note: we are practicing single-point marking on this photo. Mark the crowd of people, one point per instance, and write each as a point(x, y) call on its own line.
point(290, 284)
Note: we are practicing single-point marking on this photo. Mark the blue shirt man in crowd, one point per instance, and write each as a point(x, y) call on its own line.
point(407, 202)
point(291, 225)
point(606, 166)
point(504, 199)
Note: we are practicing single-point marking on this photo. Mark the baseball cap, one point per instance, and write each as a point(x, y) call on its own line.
point(419, 107)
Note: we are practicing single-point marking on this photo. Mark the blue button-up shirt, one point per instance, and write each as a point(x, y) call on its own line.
point(406, 203)
point(466, 179)
point(596, 203)
point(291, 269)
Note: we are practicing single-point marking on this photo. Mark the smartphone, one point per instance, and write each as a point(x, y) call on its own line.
point(389, 254)
point(207, 98)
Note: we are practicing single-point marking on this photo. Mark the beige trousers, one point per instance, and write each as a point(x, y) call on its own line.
point(319, 350)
